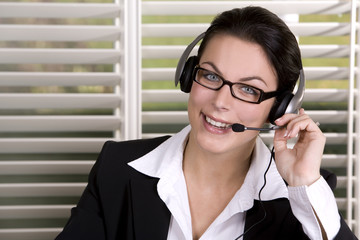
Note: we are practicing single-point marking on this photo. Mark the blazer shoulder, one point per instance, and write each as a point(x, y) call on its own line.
point(131, 149)
point(114, 156)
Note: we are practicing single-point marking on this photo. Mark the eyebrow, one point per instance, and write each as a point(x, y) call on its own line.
point(245, 79)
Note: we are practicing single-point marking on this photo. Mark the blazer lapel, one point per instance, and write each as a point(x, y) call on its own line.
point(253, 218)
point(151, 216)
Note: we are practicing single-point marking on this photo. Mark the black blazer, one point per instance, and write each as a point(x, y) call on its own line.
point(121, 203)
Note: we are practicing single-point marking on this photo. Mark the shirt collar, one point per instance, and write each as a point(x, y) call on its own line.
point(168, 154)
point(165, 162)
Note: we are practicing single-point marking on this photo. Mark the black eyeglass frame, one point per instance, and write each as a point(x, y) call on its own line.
point(263, 95)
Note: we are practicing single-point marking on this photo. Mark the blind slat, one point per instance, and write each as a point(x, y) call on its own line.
point(165, 117)
point(35, 211)
point(59, 56)
point(41, 189)
point(52, 145)
point(29, 233)
point(58, 33)
point(326, 95)
point(207, 8)
point(191, 30)
point(45, 167)
point(334, 160)
point(58, 101)
point(59, 78)
point(325, 51)
point(109, 10)
point(58, 123)
point(59, 10)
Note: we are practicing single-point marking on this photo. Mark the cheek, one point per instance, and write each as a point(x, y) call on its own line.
point(255, 115)
point(198, 96)
point(195, 102)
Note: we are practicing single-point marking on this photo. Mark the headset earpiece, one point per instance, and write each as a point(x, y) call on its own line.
point(185, 66)
point(280, 106)
point(186, 78)
point(288, 102)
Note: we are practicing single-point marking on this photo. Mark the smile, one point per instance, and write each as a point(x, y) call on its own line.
point(216, 124)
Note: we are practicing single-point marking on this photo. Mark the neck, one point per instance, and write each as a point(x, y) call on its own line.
point(217, 169)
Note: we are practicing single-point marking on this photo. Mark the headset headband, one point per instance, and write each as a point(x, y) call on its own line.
point(184, 57)
point(298, 98)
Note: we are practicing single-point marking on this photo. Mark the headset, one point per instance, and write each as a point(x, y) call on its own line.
point(287, 102)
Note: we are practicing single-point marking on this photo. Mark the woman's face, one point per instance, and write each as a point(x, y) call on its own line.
point(209, 111)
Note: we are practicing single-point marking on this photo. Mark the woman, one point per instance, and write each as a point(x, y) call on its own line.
point(207, 181)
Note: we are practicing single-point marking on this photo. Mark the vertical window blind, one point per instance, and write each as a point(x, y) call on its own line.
point(74, 74)
point(63, 93)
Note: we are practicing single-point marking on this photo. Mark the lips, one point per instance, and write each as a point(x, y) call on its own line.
point(216, 123)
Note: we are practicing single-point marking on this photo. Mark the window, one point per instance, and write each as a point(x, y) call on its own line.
point(74, 74)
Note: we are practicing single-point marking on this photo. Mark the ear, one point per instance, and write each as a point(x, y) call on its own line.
point(186, 78)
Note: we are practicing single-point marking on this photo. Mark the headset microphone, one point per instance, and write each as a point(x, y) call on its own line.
point(237, 127)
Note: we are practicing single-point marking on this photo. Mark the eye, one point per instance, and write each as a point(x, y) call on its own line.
point(247, 90)
point(210, 76)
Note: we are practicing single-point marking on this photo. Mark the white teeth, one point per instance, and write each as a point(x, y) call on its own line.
point(216, 124)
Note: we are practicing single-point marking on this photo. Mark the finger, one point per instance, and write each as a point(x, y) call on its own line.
point(303, 123)
point(283, 120)
point(297, 123)
point(280, 141)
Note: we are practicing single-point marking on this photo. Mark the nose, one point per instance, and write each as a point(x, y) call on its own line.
point(223, 97)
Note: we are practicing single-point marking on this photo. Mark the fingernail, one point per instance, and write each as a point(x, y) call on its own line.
point(286, 134)
point(289, 134)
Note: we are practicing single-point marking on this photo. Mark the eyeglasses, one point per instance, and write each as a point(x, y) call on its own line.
point(243, 92)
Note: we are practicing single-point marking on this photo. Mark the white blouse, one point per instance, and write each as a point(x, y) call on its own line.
point(165, 163)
